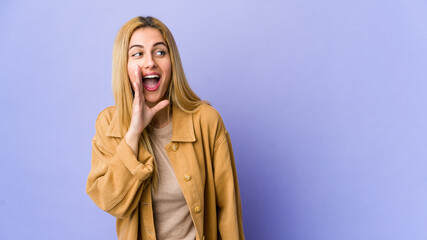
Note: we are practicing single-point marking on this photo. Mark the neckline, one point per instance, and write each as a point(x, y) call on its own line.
point(160, 131)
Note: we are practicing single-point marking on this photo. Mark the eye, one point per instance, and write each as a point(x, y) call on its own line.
point(138, 54)
point(160, 53)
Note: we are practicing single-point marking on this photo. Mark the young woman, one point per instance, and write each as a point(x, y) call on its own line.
point(162, 161)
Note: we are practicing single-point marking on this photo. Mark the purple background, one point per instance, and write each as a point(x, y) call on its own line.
point(325, 102)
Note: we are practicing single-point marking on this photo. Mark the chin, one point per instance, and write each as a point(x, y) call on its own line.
point(152, 101)
point(153, 97)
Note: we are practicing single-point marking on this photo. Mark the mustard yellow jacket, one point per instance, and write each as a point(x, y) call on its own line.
point(202, 158)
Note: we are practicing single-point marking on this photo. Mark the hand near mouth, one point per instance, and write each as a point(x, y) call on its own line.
point(142, 114)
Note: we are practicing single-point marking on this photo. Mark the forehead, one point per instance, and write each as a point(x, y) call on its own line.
point(146, 37)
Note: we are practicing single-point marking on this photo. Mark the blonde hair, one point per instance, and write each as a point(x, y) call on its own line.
point(179, 92)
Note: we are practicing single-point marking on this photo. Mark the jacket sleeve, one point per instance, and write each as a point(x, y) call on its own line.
point(116, 178)
point(229, 208)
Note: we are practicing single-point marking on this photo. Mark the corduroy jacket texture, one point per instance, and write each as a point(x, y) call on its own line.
point(202, 158)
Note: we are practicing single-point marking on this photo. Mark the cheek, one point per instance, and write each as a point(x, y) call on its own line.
point(169, 71)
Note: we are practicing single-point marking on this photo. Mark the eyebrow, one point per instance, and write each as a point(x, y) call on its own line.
point(140, 46)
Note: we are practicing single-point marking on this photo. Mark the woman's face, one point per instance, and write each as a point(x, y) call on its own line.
point(148, 52)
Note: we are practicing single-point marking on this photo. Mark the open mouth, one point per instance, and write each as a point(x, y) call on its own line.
point(151, 82)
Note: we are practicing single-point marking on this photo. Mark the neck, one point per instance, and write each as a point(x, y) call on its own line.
point(162, 118)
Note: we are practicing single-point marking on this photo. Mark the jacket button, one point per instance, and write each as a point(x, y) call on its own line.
point(175, 147)
point(187, 177)
point(197, 209)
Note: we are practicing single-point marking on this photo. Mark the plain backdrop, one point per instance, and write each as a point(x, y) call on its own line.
point(325, 102)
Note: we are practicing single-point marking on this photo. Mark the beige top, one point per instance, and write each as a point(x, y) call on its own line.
point(172, 218)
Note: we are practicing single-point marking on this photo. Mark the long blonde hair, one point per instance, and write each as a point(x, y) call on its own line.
point(179, 92)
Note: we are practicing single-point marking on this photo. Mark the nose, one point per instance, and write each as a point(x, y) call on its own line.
point(149, 62)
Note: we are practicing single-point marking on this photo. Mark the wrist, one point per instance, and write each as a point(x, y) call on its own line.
point(132, 139)
point(134, 133)
point(132, 136)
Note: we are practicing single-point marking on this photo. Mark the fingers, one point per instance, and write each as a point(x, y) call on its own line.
point(136, 89)
point(159, 106)
point(138, 78)
point(139, 100)
point(136, 100)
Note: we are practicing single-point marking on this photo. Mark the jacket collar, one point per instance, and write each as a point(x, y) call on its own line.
point(182, 126)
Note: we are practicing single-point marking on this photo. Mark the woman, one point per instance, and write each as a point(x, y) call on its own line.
point(162, 161)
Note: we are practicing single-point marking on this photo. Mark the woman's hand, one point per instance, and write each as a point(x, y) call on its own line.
point(142, 114)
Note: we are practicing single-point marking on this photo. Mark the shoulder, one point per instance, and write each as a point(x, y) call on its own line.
point(208, 115)
point(106, 115)
point(208, 112)
point(209, 120)
point(107, 122)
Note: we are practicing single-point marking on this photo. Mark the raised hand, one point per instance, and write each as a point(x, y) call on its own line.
point(142, 114)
